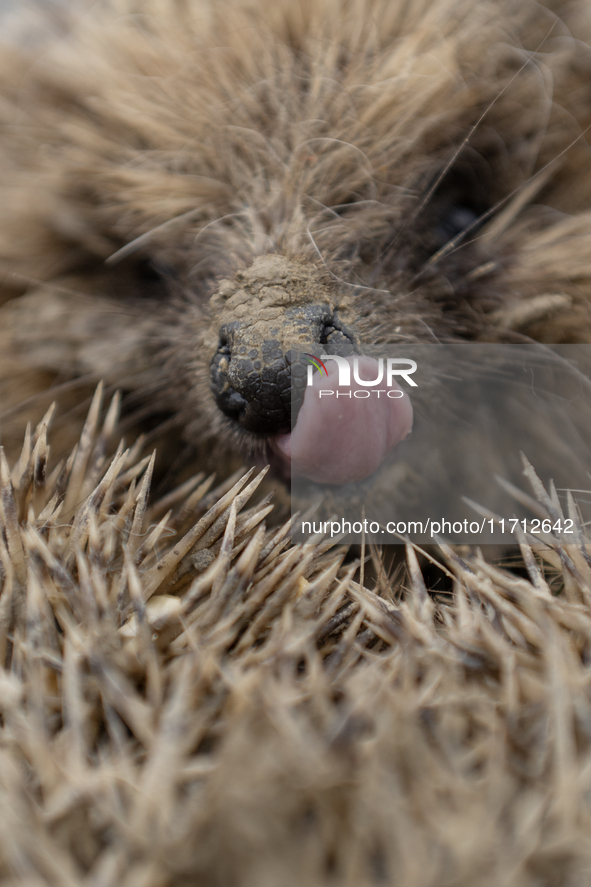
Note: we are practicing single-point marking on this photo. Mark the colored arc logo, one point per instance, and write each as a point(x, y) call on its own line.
point(317, 363)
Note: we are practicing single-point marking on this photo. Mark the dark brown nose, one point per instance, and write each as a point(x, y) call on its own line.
point(268, 315)
point(259, 384)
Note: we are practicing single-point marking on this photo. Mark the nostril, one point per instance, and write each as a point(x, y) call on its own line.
point(232, 403)
point(325, 333)
point(229, 400)
point(334, 333)
point(219, 371)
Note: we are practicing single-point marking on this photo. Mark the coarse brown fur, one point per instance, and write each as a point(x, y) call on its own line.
point(155, 153)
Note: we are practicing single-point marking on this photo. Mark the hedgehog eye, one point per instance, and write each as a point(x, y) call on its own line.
point(456, 219)
point(147, 279)
point(151, 270)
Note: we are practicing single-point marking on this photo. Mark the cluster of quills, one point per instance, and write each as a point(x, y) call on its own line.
point(176, 678)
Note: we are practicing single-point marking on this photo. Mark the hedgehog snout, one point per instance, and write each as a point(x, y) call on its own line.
point(268, 316)
point(257, 379)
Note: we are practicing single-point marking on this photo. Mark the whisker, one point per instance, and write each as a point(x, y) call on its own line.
point(134, 402)
point(127, 423)
point(455, 242)
point(52, 392)
point(356, 286)
point(465, 141)
point(177, 464)
point(81, 408)
point(342, 142)
point(140, 241)
point(216, 222)
point(427, 197)
point(100, 302)
point(258, 135)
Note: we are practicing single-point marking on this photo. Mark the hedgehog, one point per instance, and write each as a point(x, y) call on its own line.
point(190, 188)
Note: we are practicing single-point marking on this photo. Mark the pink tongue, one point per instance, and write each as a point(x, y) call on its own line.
point(343, 439)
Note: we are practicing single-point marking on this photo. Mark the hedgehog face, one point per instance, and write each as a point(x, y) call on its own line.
point(196, 192)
